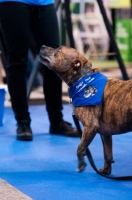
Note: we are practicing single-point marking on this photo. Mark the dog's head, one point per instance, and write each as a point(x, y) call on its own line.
point(67, 62)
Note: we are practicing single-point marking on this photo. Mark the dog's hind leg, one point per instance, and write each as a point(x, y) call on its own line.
point(87, 136)
point(108, 157)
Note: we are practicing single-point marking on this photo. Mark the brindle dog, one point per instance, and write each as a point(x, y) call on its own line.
point(112, 116)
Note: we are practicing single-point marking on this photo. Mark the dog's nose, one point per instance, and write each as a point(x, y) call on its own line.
point(42, 47)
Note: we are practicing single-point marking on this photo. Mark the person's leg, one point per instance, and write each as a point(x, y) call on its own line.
point(46, 32)
point(14, 18)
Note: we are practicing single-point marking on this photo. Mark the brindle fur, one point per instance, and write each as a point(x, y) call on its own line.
point(113, 116)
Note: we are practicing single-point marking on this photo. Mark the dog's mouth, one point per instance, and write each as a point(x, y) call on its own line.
point(44, 60)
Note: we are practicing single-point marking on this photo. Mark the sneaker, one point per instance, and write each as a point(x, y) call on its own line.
point(64, 128)
point(24, 132)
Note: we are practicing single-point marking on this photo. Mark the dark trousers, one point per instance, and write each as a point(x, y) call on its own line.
point(18, 20)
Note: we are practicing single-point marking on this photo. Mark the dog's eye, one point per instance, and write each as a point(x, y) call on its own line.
point(57, 50)
point(55, 54)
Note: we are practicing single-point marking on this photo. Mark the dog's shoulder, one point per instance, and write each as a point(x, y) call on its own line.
point(118, 82)
point(115, 86)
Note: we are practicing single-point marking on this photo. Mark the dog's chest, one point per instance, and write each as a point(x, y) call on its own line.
point(88, 90)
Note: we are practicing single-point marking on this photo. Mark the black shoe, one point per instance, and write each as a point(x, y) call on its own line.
point(64, 128)
point(24, 132)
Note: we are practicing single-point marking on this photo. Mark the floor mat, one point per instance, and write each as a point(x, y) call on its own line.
point(45, 168)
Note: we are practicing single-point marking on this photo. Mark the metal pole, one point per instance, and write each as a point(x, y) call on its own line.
point(57, 4)
point(69, 23)
point(114, 45)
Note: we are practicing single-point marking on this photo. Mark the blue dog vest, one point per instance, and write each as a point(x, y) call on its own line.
point(88, 90)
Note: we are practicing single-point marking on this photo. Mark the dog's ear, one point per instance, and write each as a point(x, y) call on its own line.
point(88, 64)
point(76, 64)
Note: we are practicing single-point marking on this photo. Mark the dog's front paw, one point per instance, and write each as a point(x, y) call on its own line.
point(81, 167)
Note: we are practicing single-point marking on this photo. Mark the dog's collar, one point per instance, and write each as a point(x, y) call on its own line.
point(76, 77)
point(86, 70)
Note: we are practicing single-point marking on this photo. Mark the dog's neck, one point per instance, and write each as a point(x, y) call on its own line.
point(85, 71)
point(75, 78)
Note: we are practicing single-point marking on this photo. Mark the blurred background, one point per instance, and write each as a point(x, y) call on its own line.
point(91, 38)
